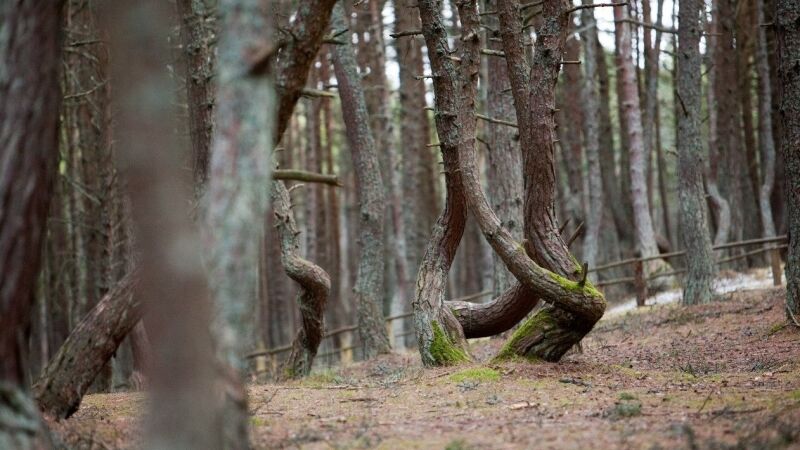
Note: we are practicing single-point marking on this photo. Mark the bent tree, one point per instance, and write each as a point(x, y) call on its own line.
point(542, 264)
point(30, 47)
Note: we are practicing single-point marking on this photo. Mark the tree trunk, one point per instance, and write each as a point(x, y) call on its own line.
point(720, 205)
point(88, 348)
point(197, 33)
point(315, 286)
point(30, 47)
point(237, 200)
point(632, 116)
point(172, 279)
point(694, 231)
point(369, 287)
point(591, 133)
point(765, 138)
point(787, 30)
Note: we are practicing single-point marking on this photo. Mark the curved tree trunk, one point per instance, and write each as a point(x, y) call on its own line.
point(30, 47)
point(370, 283)
point(88, 348)
point(696, 238)
point(315, 285)
point(455, 97)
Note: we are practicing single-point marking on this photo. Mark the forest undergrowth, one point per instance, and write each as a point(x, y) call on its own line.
point(722, 375)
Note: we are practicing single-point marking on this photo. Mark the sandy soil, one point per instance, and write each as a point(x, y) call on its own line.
point(724, 375)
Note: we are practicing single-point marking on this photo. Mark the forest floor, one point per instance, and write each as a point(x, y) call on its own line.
point(723, 375)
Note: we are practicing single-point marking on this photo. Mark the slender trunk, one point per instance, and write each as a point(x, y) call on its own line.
point(30, 48)
point(765, 138)
point(719, 204)
point(694, 231)
point(197, 33)
point(632, 117)
point(591, 132)
point(787, 30)
point(504, 156)
point(370, 283)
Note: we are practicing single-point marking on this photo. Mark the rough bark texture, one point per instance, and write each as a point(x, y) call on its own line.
point(172, 278)
point(315, 286)
point(439, 336)
point(787, 29)
point(632, 116)
point(574, 306)
point(30, 47)
point(296, 54)
point(418, 163)
point(88, 348)
point(197, 23)
point(369, 287)
point(694, 231)
point(591, 134)
point(504, 174)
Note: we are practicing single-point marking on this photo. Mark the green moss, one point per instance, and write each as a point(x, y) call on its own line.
point(795, 395)
point(573, 286)
point(626, 396)
point(477, 374)
point(540, 321)
point(442, 349)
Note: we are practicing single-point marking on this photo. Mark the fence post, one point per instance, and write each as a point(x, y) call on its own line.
point(639, 281)
point(775, 257)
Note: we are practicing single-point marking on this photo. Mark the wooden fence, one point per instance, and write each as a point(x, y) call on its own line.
point(639, 280)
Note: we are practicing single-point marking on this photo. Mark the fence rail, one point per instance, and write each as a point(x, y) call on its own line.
point(639, 281)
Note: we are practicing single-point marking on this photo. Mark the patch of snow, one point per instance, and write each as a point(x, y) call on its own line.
point(756, 279)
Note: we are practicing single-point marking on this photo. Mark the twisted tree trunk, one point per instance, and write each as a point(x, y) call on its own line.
point(315, 286)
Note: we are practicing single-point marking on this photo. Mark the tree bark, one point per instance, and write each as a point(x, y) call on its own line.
point(765, 137)
point(88, 348)
point(504, 157)
point(696, 238)
point(591, 133)
point(720, 205)
point(30, 48)
point(197, 33)
point(315, 286)
point(787, 30)
point(632, 116)
point(237, 200)
point(370, 283)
